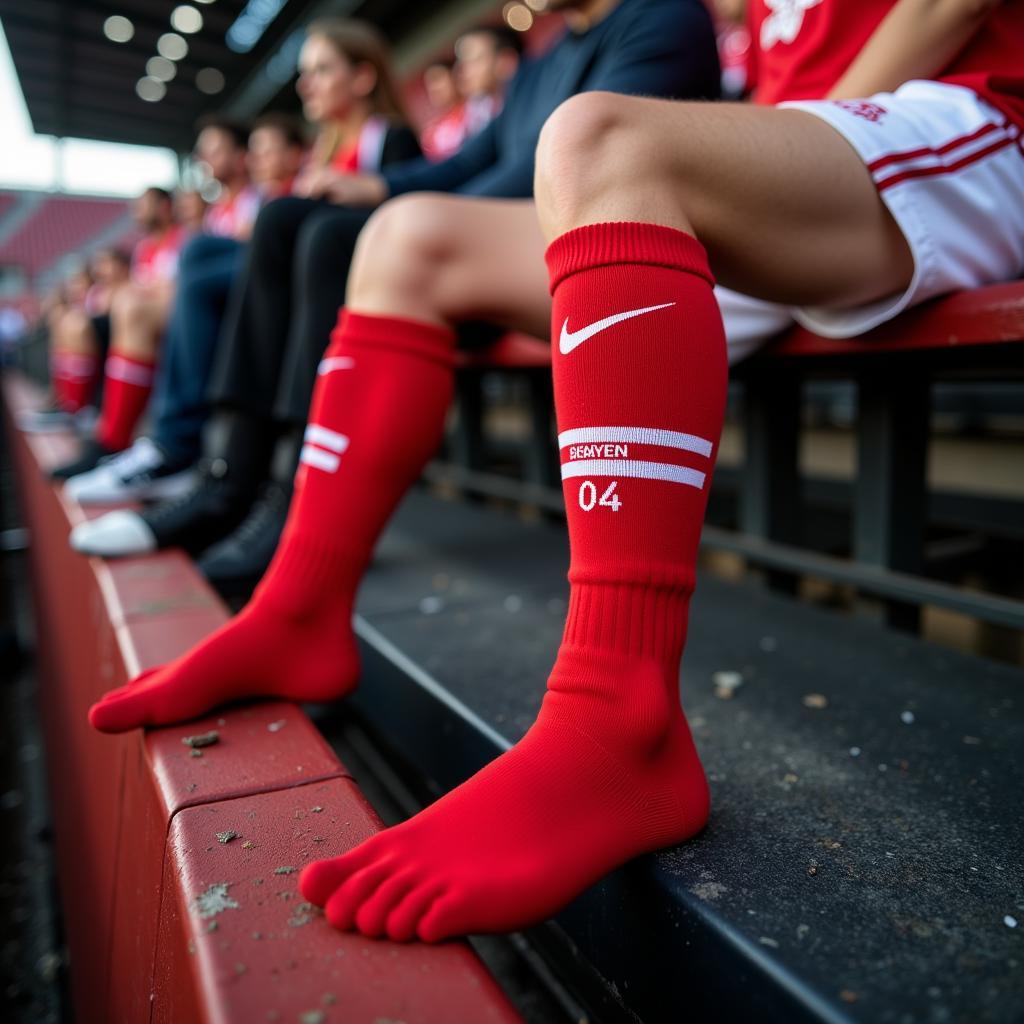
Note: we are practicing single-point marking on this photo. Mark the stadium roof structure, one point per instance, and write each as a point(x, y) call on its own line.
point(80, 82)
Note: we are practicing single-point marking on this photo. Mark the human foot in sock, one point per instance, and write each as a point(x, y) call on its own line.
point(607, 772)
point(609, 769)
point(293, 640)
point(377, 415)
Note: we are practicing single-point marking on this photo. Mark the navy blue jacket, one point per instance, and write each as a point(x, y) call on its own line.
point(662, 48)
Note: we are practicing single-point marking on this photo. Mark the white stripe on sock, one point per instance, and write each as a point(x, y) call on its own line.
point(319, 459)
point(636, 435)
point(119, 368)
point(335, 363)
point(634, 468)
point(331, 439)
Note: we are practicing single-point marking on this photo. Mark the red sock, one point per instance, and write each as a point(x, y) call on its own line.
point(129, 381)
point(609, 769)
point(377, 415)
point(73, 375)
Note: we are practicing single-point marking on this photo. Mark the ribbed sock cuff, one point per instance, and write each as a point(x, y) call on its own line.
point(400, 334)
point(600, 245)
point(628, 619)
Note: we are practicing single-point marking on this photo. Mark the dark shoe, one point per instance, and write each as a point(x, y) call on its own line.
point(92, 453)
point(209, 511)
point(237, 563)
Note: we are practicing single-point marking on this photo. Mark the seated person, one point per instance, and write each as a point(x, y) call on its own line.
point(133, 323)
point(190, 210)
point(140, 311)
point(486, 60)
point(160, 464)
point(635, 197)
point(78, 324)
point(267, 362)
point(348, 93)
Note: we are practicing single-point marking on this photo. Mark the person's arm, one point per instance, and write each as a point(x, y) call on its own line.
point(421, 175)
point(916, 39)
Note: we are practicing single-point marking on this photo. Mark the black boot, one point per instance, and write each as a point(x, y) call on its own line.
point(225, 489)
point(237, 563)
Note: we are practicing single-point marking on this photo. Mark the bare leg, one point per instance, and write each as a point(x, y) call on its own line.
point(73, 333)
point(444, 259)
point(137, 317)
point(780, 200)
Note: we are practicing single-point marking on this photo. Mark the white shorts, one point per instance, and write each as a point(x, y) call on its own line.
point(950, 168)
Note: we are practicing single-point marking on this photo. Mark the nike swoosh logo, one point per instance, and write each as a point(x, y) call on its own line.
point(335, 363)
point(572, 339)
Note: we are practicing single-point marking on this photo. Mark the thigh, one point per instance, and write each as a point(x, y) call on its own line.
point(783, 203)
point(485, 262)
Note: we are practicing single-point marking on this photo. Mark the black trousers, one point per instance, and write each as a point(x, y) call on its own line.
point(284, 307)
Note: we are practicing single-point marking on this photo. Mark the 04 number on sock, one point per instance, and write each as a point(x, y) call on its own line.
point(589, 498)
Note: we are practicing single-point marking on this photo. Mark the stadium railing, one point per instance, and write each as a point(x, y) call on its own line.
point(963, 336)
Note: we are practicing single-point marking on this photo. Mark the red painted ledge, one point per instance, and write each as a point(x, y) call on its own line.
point(166, 923)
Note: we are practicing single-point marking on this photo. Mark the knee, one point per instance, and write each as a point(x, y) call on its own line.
point(407, 242)
point(592, 143)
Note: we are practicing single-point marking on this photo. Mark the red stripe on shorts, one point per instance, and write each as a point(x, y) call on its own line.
point(926, 172)
point(913, 154)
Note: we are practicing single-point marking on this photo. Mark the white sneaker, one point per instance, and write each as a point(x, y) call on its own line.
point(139, 473)
point(51, 419)
point(117, 533)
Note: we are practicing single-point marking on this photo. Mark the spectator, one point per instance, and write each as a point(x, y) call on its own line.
point(80, 337)
point(486, 61)
point(190, 210)
point(442, 94)
point(222, 150)
point(140, 312)
point(268, 363)
point(734, 48)
point(348, 93)
point(277, 149)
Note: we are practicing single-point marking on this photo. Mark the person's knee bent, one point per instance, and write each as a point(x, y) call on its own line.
point(594, 143)
point(404, 250)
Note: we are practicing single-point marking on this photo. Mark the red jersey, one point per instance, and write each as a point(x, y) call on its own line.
point(803, 47)
point(156, 259)
point(365, 154)
point(233, 216)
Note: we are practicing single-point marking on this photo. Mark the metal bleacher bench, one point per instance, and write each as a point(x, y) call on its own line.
point(967, 335)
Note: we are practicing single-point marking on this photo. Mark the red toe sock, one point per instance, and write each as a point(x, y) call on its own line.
point(609, 769)
point(378, 411)
point(128, 383)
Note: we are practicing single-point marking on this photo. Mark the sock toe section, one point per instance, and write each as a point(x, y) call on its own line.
point(119, 711)
point(319, 880)
point(342, 907)
point(371, 918)
point(117, 533)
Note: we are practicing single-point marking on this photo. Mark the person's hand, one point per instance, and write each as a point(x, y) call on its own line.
point(344, 189)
